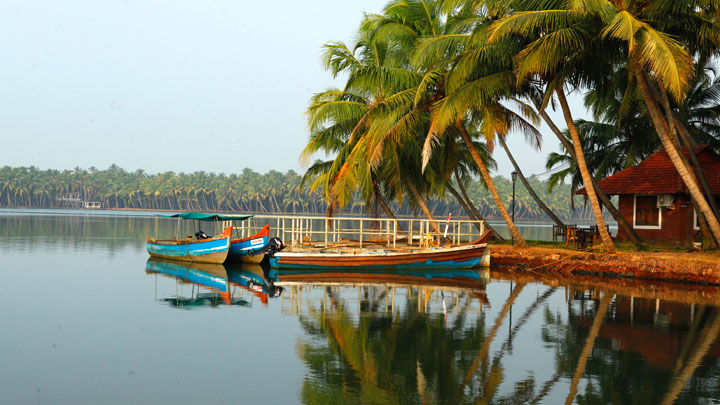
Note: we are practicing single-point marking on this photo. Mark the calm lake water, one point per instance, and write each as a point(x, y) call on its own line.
point(87, 318)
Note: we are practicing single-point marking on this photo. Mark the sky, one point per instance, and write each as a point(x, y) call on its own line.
point(173, 85)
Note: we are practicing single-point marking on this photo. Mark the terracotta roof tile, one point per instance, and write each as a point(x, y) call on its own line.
point(657, 175)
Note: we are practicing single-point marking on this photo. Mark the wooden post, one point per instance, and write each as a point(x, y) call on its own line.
point(361, 232)
point(420, 232)
point(394, 233)
point(410, 232)
point(292, 238)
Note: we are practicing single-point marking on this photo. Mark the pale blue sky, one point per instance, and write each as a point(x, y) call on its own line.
point(170, 85)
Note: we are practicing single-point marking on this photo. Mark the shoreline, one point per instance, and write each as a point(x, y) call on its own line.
point(700, 268)
point(492, 221)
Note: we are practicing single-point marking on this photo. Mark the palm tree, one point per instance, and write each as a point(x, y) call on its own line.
point(551, 57)
point(659, 64)
point(435, 44)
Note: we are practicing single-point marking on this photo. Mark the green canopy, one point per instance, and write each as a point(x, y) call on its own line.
point(208, 217)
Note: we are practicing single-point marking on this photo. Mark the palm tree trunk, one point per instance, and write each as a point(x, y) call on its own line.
point(622, 222)
point(383, 204)
point(423, 206)
point(477, 213)
point(589, 343)
point(529, 189)
point(467, 209)
point(683, 171)
point(587, 179)
point(690, 142)
point(684, 135)
point(491, 185)
point(462, 203)
point(672, 127)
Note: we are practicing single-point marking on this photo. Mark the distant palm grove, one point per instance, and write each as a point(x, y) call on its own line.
point(272, 192)
point(432, 88)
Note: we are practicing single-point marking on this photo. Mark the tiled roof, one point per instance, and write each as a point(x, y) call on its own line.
point(657, 175)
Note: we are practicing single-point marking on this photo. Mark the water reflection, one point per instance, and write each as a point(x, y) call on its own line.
point(383, 339)
point(213, 284)
point(399, 337)
point(607, 348)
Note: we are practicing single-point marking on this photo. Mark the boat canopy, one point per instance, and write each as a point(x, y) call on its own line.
point(207, 217)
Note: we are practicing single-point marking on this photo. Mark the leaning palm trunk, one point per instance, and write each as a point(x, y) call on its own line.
point(467, 209)
point(622, 222)
point(460, 200)
point(587, 178)
point(687, 140)
point(383, 204)
point(529, 189)
point(683, 171)
point(672, 127)
point(477, 214)
point(491, 186)
point(420, 202)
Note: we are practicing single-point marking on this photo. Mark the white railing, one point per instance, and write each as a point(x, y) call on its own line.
point(316, 230)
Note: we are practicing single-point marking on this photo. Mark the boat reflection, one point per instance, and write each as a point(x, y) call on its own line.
point(223, 284)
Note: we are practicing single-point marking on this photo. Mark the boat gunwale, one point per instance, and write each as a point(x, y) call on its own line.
point(226, 234)
point(264, 232)
point(382, 253)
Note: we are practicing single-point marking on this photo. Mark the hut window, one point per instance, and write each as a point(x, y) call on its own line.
point(647, 214)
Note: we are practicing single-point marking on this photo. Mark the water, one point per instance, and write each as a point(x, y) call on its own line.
point(86, 318)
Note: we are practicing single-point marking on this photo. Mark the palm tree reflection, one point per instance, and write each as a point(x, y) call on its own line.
point(396, 345)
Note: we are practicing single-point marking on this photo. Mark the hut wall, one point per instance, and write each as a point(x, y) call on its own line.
point(676, 225)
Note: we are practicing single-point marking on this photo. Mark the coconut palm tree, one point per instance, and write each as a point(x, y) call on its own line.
point(551, 58)
point(660, 64)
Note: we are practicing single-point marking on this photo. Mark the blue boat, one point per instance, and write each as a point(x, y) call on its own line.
point(211, 250)
point(202, 248)
point(241, 247)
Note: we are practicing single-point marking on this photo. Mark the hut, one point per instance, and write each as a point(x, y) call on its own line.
point(654, 200)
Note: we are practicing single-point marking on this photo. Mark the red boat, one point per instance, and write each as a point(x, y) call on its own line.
point(462, 256)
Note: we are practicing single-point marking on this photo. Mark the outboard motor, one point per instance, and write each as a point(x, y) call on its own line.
point(274, 245)
point(201, 235)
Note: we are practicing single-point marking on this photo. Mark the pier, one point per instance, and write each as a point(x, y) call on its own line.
point(320, 231)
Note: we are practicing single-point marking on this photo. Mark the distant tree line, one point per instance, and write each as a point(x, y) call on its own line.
point(249, 191)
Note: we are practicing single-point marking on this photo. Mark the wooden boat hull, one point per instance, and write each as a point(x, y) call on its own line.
point(213, 250)
point(239, 248)
point(464, 256)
